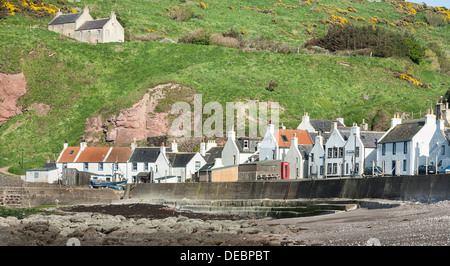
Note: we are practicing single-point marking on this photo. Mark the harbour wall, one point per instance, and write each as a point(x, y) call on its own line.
point(425, 189)
point(15, 193)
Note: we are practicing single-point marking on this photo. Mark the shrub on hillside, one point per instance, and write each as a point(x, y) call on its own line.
point(444, 62)
point(436, 18)
point(181, 13)
point(415, 51)
point(149, 37)
point(264, 43)
point(198, 36)
point(272, 85)
point(220, 40)
point(381, 42)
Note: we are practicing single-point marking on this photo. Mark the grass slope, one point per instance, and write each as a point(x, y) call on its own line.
point(78, 80)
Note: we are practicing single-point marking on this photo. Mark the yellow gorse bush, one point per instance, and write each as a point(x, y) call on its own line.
point(336, 20)
point(28, 5)
point(259, 10)
point(411, 80)
point(201, 5)
point(288, 34)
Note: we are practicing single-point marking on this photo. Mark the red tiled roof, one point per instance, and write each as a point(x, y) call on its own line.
point(284, 136)
point(69, 155)
point(119, 154)
point(93, 154)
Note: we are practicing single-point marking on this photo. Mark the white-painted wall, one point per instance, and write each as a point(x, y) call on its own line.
point(420, 150)
point(269, 149)
point(316, 158)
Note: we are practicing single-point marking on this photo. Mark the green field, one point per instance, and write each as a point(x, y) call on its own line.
point(78, 80)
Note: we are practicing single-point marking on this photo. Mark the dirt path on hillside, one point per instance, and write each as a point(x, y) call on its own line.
point(4, 171)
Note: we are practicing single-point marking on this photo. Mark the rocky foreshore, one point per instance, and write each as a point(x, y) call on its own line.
point(410, 223)
point(103, 229)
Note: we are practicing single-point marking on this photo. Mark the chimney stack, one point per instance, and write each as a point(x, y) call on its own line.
point(319, 140)
point(163, 148)
point(210, 144)
point(83, 144)
point(113, 15)
point(174, 146)
point(334, 126)
point(364, 126)
point(271, 127)
point(430, 117)
point(294, 141)
point(231, 134)
point(305, 117)
point(133, 144)
point(203, 148)
point(396, 120)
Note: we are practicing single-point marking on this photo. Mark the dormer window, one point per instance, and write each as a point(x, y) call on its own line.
point(246, 144)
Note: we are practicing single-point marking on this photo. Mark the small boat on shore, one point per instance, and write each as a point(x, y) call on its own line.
point(116, 181)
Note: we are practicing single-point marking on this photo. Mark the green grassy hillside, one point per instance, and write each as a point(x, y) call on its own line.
point(78, 80)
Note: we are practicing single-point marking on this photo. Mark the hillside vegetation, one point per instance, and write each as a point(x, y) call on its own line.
point(228, 51)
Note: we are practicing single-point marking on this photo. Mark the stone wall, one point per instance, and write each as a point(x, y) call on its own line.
point(15, 193)
point(427, 188)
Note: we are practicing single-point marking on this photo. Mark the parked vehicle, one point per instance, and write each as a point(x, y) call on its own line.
point(423, 169)
point(446, 170)
point(376, 170)
point(116, 181)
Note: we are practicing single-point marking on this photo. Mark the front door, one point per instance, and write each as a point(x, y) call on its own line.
point(394, 168)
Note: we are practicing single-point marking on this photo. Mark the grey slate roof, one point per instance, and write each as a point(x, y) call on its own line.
point(93, 24)
point(206, 167)
point(404, 132)
point(46, 167)
point(324, 125)
point(305, 150)
point(63, 19)
point(447, 134)
point(371, 138)
point(212, 154)
point(179, 159)
point(146, 154)
point(325, 136)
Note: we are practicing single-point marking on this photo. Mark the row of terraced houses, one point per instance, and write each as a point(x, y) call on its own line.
point(317, 148)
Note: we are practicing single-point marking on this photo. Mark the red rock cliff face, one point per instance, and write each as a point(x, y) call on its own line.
point(12, 86)
point(138, 122)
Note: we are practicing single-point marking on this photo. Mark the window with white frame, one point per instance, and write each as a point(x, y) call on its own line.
point(197, 165)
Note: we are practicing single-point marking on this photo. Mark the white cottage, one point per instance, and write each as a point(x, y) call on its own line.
point(347, 151)
point(277, 142)
point(177, 167)
point(84, 28)
point(319, 125)
point(316, 158)
point(411, 144)
point(334, 154)
point(297, 157)
point(46, 174)
point(238, 151)
point(143, 162)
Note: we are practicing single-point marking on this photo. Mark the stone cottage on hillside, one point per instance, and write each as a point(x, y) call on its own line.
point(82, 27)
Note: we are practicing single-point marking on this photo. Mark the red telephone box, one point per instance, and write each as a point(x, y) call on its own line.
point(284, 170)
